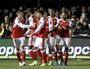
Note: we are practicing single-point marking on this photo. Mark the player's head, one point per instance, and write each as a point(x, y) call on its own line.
point(45, 14)
point(52, 12)
point(64, 15)
point(31, 11)
point(20, 13)
point(40, 13)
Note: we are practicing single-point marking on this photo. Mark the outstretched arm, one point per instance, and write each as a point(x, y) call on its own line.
point(17, 22)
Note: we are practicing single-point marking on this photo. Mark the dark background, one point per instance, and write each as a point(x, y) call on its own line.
point(44, 3)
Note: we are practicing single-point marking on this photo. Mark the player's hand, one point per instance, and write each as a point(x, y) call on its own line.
point(25, 35)
point(64, 27)
point(32, 34)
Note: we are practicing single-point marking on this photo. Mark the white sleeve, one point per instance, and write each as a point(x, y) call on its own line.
point(17, 22)
point(41, 25)
point(31, 21)
point(27, 32)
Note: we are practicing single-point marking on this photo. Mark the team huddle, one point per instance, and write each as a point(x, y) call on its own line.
point(47, 35)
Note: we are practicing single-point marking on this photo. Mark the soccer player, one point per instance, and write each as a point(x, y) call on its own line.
point(32, 52)
point(40, 41)
point(52, 37)
point(64, 27)
point(65, 34)
point(18, 37)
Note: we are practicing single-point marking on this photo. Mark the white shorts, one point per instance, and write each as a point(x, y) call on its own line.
point(18, 42)
point(58, 40)
point(41, 43)
point(31, 41)
point(51, 41)
point(66, 41)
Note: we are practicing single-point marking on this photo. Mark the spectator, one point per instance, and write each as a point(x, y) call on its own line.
point(6, 19)
point(5, 32)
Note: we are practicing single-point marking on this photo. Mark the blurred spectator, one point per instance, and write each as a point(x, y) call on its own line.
point(79, 16)
point(77, 30)
point(2, 29)
point(6, 19)
point(6, 12)
point(5, 32)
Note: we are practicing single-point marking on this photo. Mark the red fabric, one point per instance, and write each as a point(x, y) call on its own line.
point(38, 52)
point(18, 56)
point(64, 32)
point(44, 57)
point(17, 31)
point(33, 55)
point(47, 58)
point(23, 55)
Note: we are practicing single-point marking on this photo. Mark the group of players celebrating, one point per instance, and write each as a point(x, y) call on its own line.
point(47, 35)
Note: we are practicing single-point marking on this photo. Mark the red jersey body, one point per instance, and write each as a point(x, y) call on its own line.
point(17, 31)
point(64, 30)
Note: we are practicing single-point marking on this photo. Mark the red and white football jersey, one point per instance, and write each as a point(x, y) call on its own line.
point(64, 28)
point(41, 29)
point(17, 31)
point(52, 23)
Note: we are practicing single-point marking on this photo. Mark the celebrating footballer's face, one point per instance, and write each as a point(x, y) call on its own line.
point(52, 13)
point(45, 14)
point(64, 16)
point(20, 14)
point(38, 15)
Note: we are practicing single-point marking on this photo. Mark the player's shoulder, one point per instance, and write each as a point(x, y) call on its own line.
point(16, 20)
point(60, 20)
point(49, 17)
point(41, 19)
point(31, 17)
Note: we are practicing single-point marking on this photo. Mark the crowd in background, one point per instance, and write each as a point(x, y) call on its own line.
point(79, 16)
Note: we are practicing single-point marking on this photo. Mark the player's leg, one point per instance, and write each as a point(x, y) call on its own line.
point(66, 44)
point(18, 54)
point(47, 50)
point(32, 53)
point(56, 48)
point(23, 54)
point(60, 53)
point(43, 52)
point(37, 44)
point(51, 50)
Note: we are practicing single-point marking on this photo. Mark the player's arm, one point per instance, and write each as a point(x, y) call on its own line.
point(17, 22)
point(38, 28)
point(27, 32)
point(54, 28)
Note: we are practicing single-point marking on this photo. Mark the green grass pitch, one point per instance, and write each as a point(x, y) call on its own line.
point(73, 64)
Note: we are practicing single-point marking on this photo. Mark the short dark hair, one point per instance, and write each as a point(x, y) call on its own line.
point(20, 11)
point(41, 12)
point(32, 11)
